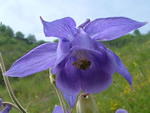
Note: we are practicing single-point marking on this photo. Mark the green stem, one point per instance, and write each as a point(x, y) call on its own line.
point(11, 104)
point(60, 99)
point(8, 86)
point(59, 94)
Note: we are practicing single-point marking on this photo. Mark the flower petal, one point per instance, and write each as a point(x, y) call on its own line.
point(6, 109)
point(111, 28)
point(63, 51)
point(121, 69)
point(38, 59)
point(99, 76)
point(58, 109)
point(68, 79)
point(71, 100)
point(121, 111)
point(83, 40)
point(62, 28)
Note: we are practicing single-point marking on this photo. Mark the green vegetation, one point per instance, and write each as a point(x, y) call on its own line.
point(37, 94)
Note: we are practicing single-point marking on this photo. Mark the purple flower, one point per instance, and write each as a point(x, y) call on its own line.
point(58, 109)
point(79, 60)
point(121, 111)
point(6, 109)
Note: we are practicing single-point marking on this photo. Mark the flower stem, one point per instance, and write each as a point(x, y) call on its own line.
point(8, 86)
point(60, 99)
point(11, 104)
point(59, 94)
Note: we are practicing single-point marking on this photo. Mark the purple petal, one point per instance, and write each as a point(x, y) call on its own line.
point(68, 79)
point(38, 59)
point(63, 50)
point(83, 40)
point(0, 103)
point(101, 46)
point(121, 111)
point(62, 28)
point(58, 109)
point(111, 28)
point(6, 109)
point(121, 69)
point(93, 46)
point(71, 100)
point(99, 76)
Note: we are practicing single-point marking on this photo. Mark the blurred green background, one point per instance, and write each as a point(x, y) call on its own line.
point(38, 95)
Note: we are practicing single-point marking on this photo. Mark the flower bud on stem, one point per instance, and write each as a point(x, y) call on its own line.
point(86, 104)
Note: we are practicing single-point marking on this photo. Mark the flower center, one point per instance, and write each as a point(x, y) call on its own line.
point(82, 64)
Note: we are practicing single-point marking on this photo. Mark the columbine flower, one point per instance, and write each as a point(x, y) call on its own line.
point(79, 60)
point(6, 109)
point(121, 111)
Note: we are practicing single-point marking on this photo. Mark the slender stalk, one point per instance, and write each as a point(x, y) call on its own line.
point(59, 94)
point(8, 86)
point(60, 99)
point(11, 104)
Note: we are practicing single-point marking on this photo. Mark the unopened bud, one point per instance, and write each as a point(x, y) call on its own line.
point(86, 104)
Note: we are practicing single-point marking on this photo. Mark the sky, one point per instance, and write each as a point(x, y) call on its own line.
point(23, 15)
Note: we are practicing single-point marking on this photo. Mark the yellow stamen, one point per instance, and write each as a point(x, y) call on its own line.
point(82, 64)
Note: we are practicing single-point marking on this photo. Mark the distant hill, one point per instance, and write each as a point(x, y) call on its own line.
point(13, 46)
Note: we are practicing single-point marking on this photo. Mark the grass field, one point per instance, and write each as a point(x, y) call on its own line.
point(38, 95)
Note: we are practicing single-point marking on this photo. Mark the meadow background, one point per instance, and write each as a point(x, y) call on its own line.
point(38, 95)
